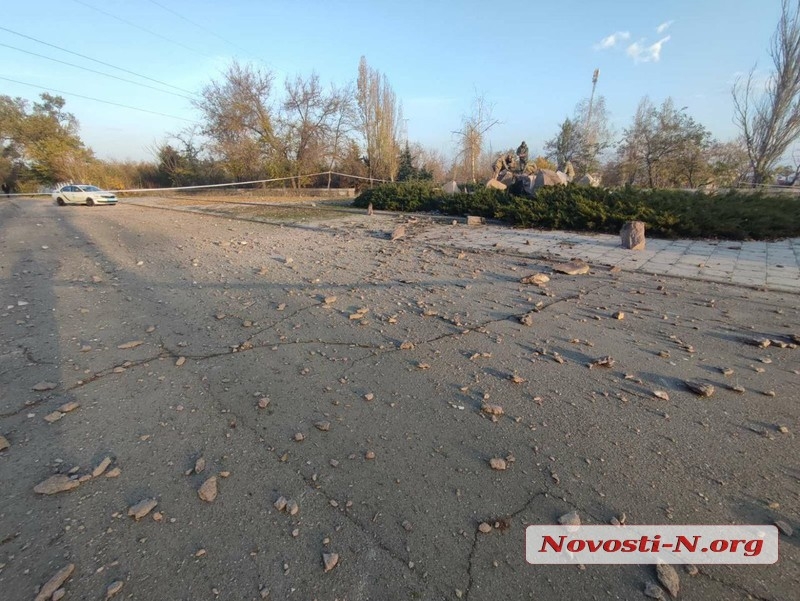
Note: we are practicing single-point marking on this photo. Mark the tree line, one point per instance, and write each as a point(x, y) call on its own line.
point(250, 128)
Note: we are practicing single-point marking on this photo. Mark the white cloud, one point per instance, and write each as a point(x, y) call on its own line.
point(664, 26)
point(646, 54)
point(611, 41)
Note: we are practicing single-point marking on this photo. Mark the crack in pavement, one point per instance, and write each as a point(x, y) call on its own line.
point(736, 587)
point(317, 488)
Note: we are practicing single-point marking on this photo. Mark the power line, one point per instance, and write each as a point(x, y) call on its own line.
point(27, 37)
point(126, 106)
point(136, 83)
point(134, 25)
point(215, 34)
point(198, 25)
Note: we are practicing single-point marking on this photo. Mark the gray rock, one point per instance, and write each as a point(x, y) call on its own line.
point(653, 591)
point(574, 267)
point(548, 177)
point(632, 235)
point(43, 386)
point(451, 188)
point(4, 444)
point(114, 588)
point(570, 519)
point(588, 180)
point(668, 578)
point(784, 527)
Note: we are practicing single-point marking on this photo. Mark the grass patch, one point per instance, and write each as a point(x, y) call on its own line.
point(734, 215)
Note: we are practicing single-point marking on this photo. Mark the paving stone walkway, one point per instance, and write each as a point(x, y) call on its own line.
point(770, 265)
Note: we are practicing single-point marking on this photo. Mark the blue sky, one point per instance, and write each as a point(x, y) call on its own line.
point(533, 61)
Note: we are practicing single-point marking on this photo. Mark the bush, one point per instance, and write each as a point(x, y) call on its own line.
point(734, 215)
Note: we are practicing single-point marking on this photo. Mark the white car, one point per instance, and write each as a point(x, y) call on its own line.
point(83, 194)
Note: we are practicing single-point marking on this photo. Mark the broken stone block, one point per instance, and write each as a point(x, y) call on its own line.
point(632, 235)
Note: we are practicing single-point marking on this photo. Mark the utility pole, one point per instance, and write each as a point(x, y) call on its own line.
point(590, 132)
point(595, 75)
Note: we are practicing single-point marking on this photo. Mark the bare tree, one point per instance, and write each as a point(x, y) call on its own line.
point(379, 118)
point(239, 121)
point(313, 122)
point(473, 129)
point(770, 121)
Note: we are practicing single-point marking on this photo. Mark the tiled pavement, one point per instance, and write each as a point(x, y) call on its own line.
point(770, 265)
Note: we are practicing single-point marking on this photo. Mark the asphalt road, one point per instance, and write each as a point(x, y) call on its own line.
point(371, 416)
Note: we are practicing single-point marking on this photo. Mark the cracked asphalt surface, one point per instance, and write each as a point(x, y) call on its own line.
point(244, 304)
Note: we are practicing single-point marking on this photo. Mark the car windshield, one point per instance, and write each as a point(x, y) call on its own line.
point(89, 188)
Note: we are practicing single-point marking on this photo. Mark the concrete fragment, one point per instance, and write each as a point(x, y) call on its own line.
point(329, 561)
point(536, 278)
point(498, 463)
point(44, 386)
point(142, 508)
point(632, 235)
point(113, 588)
point(131, 344)
point(208, 490)
point(399, 232)
point(55, 582)
point(570, 519)
point(101, 467)
point(574, 267)
point(56, 484)
point(668, 578)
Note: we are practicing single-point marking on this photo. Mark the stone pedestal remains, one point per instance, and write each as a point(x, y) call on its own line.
point(632, 235)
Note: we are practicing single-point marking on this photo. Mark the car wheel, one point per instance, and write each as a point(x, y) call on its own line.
point(60, 202)
point(89, 202)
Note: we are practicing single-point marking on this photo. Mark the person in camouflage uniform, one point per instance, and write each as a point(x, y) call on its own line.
point(503, 163)
point(522, 153)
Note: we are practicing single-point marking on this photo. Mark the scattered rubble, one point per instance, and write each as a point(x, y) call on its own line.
point(208, 490)
point(55, 582)
point(329, 561)
point(142, 508)
point(668, 578)
point(56, 484)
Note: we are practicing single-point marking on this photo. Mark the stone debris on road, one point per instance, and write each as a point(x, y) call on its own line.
point(44, 386)
point(114, 588)
point(130, 345)
point(570, 519)
point(329, 561)
point(138, 510)
point(56, 484)
point(574, 267)
point(55, 582)
point(208, 490)
point(669, 579)
point(101, 467)
point(700, 389)
point(416, 351)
